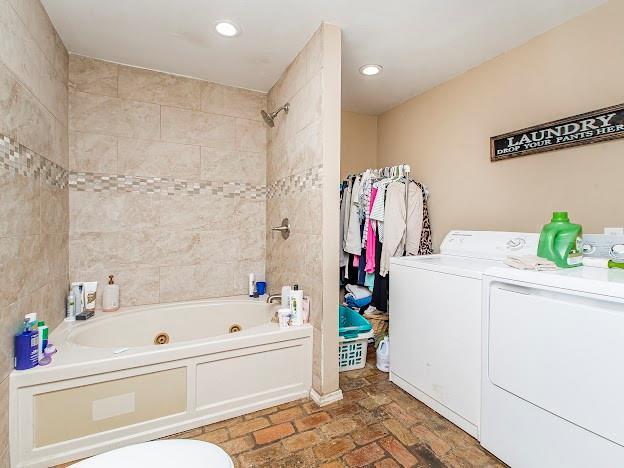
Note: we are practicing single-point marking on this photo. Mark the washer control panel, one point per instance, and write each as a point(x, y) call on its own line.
point(604, 246)
point(492, 245)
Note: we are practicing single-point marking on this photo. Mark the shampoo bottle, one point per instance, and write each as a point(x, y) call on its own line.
point(70, 314)
point(43, 338)
point(296, 306)
point(252, 284)
point(77, 289)
point(286, 296)
point(26, 347)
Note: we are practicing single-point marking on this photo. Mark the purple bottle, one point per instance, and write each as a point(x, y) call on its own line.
point(26, 348)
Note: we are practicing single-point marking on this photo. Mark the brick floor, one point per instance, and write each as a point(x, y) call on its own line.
point(376, 425)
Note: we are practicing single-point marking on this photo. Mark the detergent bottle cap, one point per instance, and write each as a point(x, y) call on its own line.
point(560, 216)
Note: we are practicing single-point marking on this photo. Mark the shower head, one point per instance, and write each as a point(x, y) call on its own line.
point(270, 118)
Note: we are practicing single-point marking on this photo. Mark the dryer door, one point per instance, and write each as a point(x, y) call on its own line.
point(561, 352)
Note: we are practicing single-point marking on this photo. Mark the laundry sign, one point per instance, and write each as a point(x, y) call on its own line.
point(583, 129)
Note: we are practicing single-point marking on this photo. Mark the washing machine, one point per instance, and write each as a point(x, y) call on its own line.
point(553, 367)
point(435, 320)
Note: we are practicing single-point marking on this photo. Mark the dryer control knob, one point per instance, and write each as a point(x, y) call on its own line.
point(617, 250)
point(588, 249)
point(516, 243)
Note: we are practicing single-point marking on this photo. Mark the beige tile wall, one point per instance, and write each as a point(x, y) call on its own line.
point(297, 181)
point(33, 213)
point(126, 121)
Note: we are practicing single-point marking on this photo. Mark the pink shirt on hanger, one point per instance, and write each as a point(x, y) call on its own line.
point(370, 239)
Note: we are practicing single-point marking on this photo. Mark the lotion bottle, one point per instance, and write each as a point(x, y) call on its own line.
point(296, 306)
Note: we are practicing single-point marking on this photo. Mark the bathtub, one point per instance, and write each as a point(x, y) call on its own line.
point(151, 371)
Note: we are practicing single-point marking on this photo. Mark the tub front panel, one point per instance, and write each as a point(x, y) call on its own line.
point(76, 412)
point(234, 380)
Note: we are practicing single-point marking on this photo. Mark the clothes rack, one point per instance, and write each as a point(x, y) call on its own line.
point(368, 242)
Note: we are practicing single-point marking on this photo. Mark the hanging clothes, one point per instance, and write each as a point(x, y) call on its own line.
point(345, 201)
point(380, 288)
point(426, 241)
point(361, 279)
point(377, 212)
point(368, 177)
point(376, 225)
point(353, 241)
point(370, 239)
point(401, 236)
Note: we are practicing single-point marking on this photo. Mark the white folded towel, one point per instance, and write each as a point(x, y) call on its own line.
point(529, 262)
point(359, 292)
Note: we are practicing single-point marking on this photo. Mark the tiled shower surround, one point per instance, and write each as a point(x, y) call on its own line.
point(34, 207)
point(163, 181)
point(167, 183)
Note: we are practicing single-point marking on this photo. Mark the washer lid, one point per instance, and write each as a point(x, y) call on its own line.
point(449, 264)
point(591, 280)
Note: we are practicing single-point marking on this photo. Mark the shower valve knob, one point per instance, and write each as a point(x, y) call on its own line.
point(284, 228)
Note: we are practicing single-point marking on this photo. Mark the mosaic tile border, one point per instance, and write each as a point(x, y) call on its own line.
point(93, 182)
point(310, 179)
point(17, 159)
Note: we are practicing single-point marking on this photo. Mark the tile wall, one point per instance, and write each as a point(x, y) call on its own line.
point(295, 188)
point(34, 205)
point(167, 183)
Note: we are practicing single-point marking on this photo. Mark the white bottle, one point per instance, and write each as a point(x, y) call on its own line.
point(77, 289)
point(70, 314)
point(296, 306)
point(286, 296)
point(252, 284)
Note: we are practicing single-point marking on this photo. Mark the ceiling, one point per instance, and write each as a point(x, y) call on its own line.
point(420, 43)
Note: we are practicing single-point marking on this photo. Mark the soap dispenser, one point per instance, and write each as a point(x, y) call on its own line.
point(110, 296)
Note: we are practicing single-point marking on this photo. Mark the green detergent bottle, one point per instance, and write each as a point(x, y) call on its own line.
point(562, 241)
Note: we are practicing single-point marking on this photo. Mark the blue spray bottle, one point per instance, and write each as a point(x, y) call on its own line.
point(27, 347)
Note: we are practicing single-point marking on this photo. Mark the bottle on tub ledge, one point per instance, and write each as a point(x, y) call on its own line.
point(296, 306)
point(84, 294)
point(26, 344)
point(31, 346)
point(110, 296)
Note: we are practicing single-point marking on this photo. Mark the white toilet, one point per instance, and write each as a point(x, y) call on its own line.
point(162, 454)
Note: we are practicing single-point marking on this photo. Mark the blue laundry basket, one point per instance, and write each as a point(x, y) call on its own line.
point(354, 331)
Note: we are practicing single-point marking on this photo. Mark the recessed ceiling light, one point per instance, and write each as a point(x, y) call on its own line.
point(370, 70)
point(227, 29)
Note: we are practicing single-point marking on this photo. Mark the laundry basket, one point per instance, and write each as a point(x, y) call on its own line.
point(354, 331)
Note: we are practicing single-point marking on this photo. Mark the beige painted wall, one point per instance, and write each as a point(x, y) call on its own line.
point(444, 133)
point(33, 203)
point(358, 142)
point(198, 232)
point(302, 165)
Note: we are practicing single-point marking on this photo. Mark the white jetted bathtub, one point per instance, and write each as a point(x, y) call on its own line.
point(111, 384)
